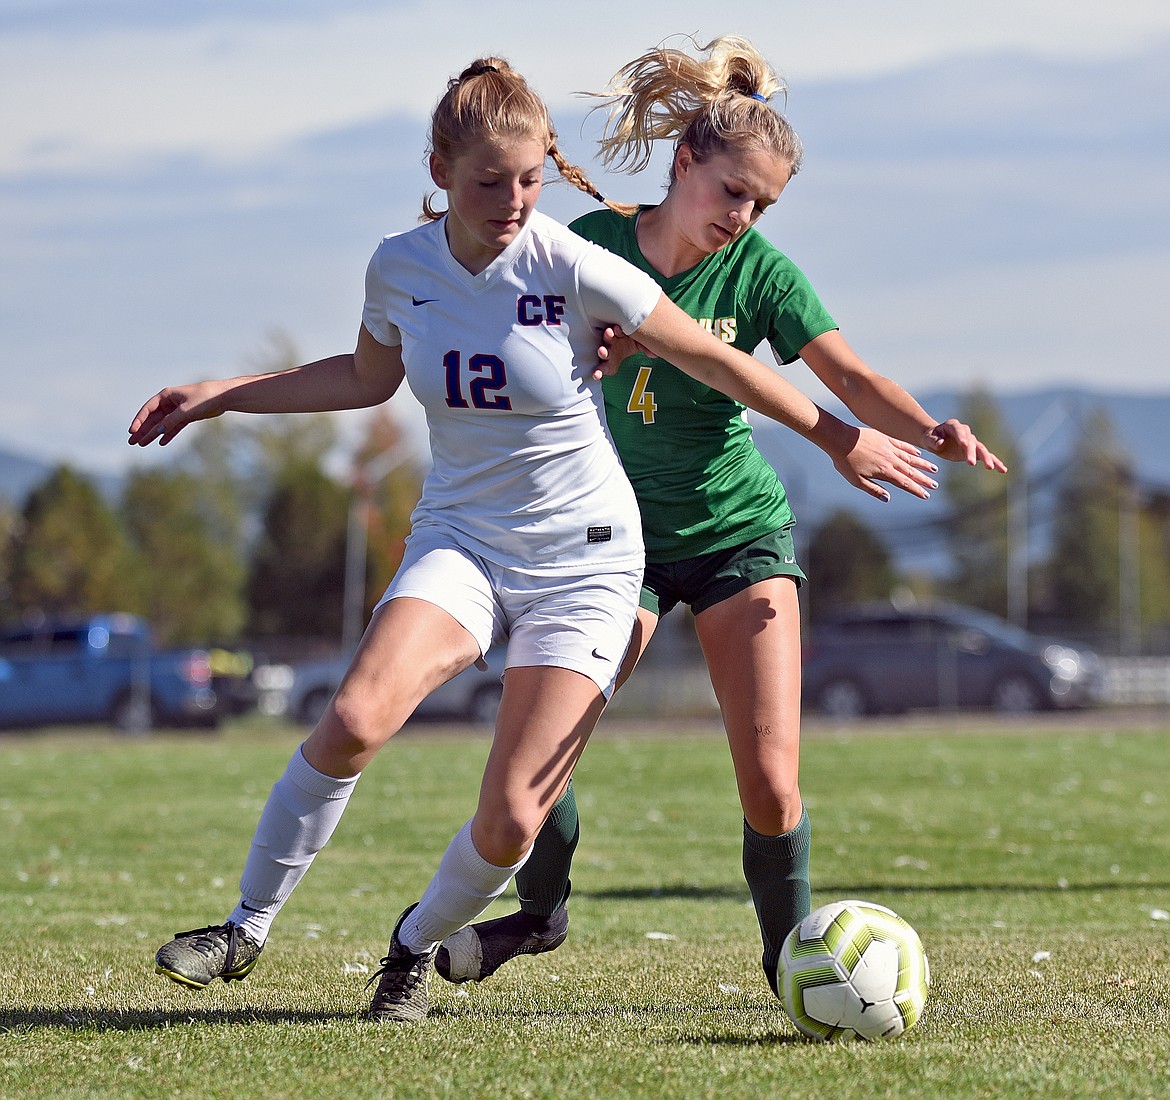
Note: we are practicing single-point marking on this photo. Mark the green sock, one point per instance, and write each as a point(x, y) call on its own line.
point(776, 869)
point(543, 882)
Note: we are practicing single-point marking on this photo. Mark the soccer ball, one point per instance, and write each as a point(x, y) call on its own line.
point(853, 968)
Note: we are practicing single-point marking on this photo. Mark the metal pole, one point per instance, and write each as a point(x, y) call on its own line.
point(1129, 611)
point(1017, 579)
point(1018, 534)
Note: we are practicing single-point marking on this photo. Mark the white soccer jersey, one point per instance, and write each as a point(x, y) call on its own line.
point(523, 469)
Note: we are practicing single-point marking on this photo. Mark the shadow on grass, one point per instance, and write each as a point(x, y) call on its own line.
point(737, 891)
point(18, 1020)
point(91, 1019)
point(787, 1039)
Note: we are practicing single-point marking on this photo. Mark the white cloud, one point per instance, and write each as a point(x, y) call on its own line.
point(243, 81)
point(978, 220)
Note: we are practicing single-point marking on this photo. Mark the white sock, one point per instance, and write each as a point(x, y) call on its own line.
point(299, 817)
point(463, 887)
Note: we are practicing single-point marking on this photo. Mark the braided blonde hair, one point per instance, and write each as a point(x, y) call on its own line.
point(490, 99)
point(713, 102)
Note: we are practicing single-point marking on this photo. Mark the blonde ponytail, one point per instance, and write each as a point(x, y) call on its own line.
point(713, 101)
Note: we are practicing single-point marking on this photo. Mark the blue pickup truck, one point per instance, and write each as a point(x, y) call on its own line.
point(102, 668)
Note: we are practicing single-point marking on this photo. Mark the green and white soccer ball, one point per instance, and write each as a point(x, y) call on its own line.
point(853, 969)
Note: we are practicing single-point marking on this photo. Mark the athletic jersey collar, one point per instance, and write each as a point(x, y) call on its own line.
point(684, 278)
point(501, 263)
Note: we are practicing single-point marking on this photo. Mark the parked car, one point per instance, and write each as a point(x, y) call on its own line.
point(303, 690)
point(102, 668)
point(233, 679)
point(875, 659)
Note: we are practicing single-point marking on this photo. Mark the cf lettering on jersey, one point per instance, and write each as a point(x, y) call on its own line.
point(532, 310)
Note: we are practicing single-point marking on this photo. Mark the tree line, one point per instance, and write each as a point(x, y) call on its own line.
point(243, 535)
point(1081, 549)
point(246, 533)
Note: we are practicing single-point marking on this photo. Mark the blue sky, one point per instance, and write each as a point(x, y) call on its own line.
point(985, 201)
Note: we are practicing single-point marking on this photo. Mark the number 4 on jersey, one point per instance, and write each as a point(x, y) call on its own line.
point(642, 398)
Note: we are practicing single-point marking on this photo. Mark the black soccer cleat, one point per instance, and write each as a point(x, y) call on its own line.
point(197, 958)
point(479, 950)
point(402, 995)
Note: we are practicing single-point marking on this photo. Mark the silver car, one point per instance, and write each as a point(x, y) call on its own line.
point(875, 659)
point(302, 690)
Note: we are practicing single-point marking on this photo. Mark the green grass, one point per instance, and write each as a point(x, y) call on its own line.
point(996, 847)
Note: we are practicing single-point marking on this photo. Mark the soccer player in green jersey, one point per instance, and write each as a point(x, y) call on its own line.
point(488, 311)
point(716, 519)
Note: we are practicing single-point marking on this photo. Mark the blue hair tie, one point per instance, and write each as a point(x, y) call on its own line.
point(756, 95)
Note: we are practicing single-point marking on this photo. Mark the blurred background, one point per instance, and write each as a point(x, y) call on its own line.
point(194, 190)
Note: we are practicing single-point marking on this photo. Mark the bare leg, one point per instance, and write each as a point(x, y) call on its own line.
point(546, 716)
point(751, 643)
point(543, 883)
point(752, 646)
point(409, 648)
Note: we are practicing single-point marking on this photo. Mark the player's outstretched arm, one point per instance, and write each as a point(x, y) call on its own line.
point(368, 376)
point(883, 404)
point(862, 456)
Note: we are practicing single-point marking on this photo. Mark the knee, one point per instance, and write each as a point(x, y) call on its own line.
point(771, 809)
point(503, 838)
point(351, 731)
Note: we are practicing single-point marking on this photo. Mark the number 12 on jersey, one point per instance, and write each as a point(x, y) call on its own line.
point(490, 376)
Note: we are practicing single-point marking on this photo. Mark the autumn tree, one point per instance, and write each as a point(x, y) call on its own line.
point(297, 581)
point(1155, 564)
point(68, 553)
point(386, 482)
point(191, 579)
point(1083, 570)
point(9, 525)
point(847, 563)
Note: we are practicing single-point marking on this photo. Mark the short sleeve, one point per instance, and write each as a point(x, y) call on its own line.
point(614, 292)
point(374, 315)
point(795, 313)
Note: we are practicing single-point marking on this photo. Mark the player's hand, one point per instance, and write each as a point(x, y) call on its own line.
point(171, 410)
point(877, 457)
point(615, 348)
point(954, 441)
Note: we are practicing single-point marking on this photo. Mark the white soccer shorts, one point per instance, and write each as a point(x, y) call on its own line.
point(578, 622)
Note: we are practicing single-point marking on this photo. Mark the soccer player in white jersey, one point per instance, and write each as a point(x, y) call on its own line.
point(715, 517)
point(527, 529)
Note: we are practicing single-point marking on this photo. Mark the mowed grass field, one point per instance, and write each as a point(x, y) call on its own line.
point(1034, 862)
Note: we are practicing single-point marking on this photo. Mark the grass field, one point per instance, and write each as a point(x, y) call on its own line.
point(1034, 864)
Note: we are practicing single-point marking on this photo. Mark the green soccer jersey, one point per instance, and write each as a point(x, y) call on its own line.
point(701, 483)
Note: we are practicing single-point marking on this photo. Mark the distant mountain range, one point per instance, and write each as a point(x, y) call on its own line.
point(19, 475)
point(1044, 423)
